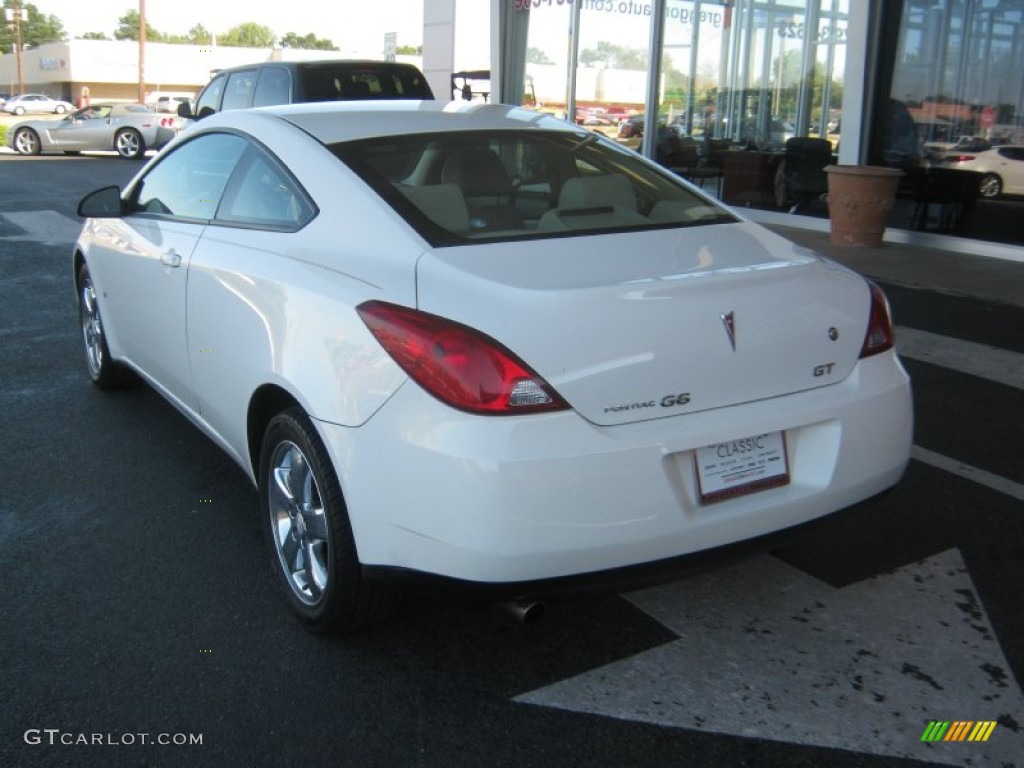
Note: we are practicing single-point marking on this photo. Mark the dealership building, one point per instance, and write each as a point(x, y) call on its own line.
point(885, 82)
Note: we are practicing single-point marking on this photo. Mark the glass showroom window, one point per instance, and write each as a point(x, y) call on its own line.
point(959, 70)
point(612, 71)
point(548, 56)
point(954, 106)
point(756, 72)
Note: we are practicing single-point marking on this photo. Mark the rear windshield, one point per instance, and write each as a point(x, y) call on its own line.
point(461, 187)
point(344, 83)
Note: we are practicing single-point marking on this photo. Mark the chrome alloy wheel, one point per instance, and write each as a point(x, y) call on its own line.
point(92, 328)
point(298, 523)
point(26, 142)
point(991, 186)
point(128, 143)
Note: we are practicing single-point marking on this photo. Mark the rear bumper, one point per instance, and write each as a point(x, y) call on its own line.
point(503, 501)
point(479, 593)
point(162, 137)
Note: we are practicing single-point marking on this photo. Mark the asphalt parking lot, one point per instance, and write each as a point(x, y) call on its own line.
point(141, 625)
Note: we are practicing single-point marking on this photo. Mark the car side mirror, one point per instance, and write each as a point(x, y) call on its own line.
point(184, 109)
point(104, 203)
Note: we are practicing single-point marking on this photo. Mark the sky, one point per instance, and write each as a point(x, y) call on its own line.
point(352, 24)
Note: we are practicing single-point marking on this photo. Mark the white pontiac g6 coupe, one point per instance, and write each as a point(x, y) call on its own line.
point(474, 346)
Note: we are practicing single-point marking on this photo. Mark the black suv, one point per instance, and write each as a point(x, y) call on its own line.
point(293, 82)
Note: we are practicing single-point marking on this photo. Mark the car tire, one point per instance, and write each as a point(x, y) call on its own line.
point(19, 111)
point(129, 144)
point(104, 372)
point(990, 186)
point(26, 141)
point(306, 522)
point(59, 109)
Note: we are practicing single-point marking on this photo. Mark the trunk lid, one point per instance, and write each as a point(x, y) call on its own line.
point(643, 325)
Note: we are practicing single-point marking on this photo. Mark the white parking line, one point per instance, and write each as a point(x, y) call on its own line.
point(1000, 365)
point(44, 226)
point(980, 476)
point(992, 363)
point(764, 650)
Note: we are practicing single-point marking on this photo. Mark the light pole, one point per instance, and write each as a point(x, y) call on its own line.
point(142, 51)
point(17, 16)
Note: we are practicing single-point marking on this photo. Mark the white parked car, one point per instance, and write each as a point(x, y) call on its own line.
point(36, 103)
point(475, 346)
point(1003, 168)
point(970, 143)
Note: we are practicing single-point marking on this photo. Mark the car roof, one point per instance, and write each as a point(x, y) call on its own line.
point(357, 64)
point(989, 150)
point(130, 109)
point(337, 121)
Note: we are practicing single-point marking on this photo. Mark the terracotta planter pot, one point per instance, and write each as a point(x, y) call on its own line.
point(860, 198)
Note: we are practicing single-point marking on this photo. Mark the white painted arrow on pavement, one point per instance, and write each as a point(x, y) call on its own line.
point(766, 651)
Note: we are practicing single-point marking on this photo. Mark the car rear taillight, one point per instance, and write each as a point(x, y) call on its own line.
point(879, 336)
point(959, 158)
point(458, 365)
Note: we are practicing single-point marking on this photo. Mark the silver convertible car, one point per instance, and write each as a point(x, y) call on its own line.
point(130, 129)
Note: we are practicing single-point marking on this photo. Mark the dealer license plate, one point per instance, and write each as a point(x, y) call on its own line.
point(739, 467)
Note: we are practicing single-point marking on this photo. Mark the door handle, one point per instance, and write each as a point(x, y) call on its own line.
point(170, 258)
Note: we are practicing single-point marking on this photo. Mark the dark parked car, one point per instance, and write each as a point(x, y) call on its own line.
point(293, 82)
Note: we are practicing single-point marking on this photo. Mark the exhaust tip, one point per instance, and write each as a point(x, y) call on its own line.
point(526, 611)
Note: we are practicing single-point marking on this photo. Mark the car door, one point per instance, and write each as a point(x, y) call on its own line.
point(236, 304)
point(84, 129)
point(209, 100)
point(146, 274)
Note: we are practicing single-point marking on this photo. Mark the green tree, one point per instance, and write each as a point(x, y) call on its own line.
point(614, 56)
point(128, 29)
point(38, 29)
point(94, 36)
point(409, 50)
point(785, 81)
point(310, 42)
point(537, 56)
point(248, 35)
point(198, 35)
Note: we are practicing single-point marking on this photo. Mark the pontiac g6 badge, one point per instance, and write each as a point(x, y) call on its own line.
point(729, 321)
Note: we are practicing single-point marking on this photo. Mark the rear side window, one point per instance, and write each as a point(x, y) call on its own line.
point(333, 83)
point(263, 194)
point(273, 87)
point(239, 89)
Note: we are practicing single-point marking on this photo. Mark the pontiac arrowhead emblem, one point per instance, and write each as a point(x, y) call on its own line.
point(729, 321)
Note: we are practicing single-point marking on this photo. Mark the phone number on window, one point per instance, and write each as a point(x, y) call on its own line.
point(793, 31)
point(524, 5)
